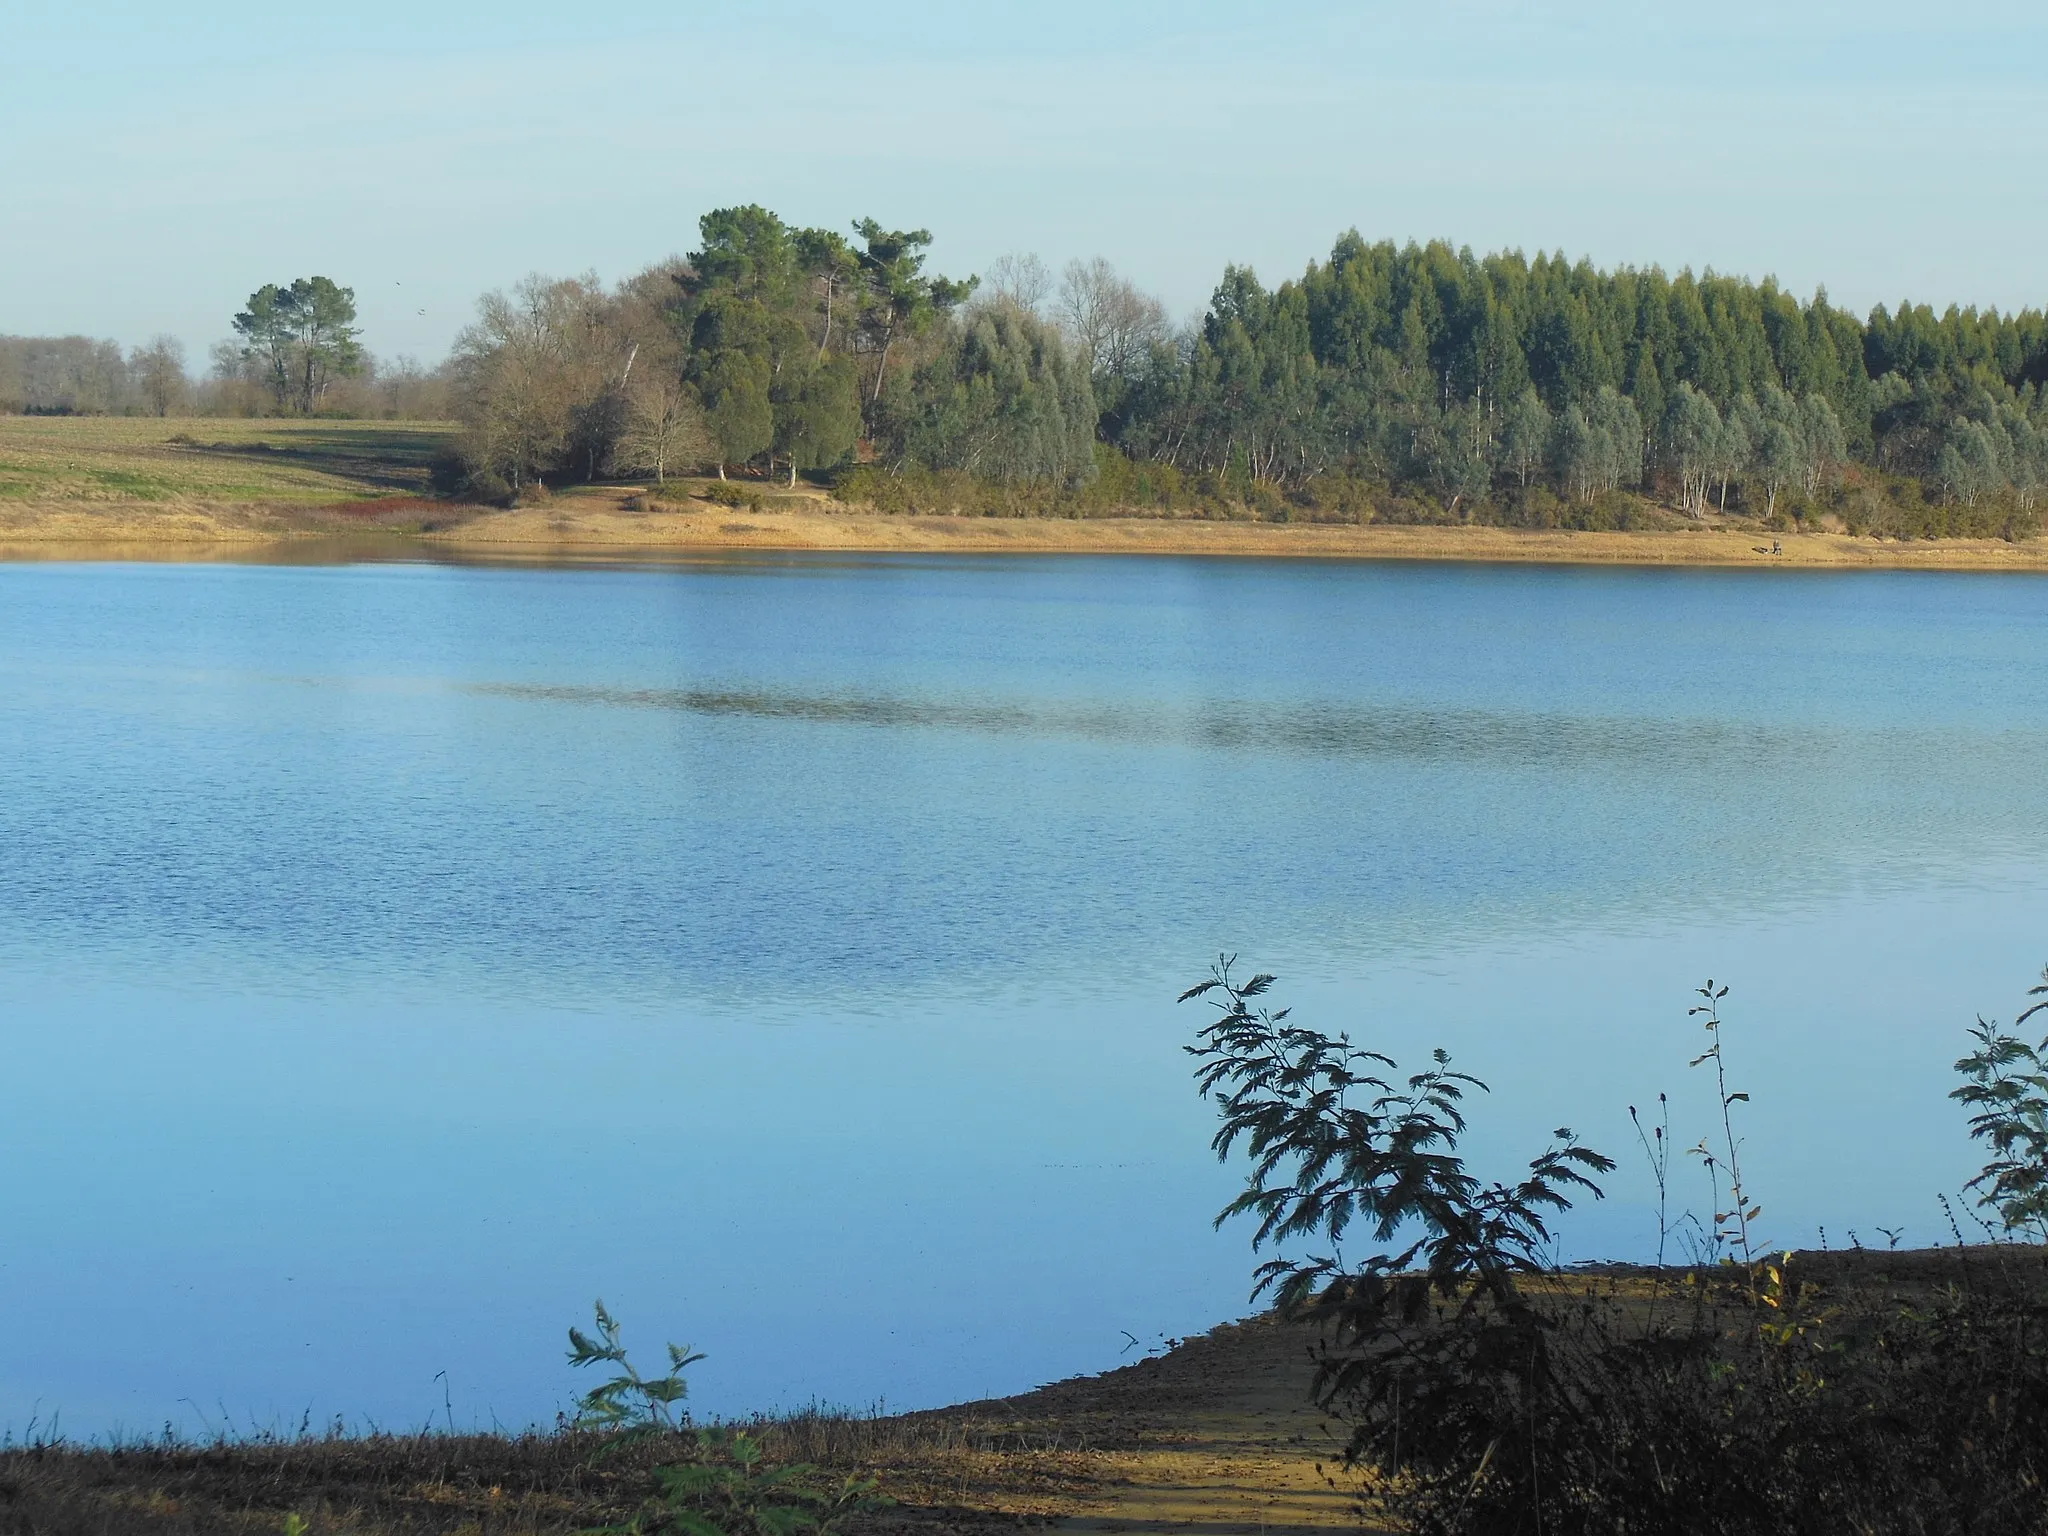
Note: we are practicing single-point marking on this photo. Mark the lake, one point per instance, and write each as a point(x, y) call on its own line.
point(395, 957)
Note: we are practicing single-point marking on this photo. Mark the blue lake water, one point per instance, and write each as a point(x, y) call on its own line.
point(395, 957)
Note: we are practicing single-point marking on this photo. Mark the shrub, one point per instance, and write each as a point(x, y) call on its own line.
point(1264, 501)
point(1488, 1392)
point(725, 1486)
point(628, 1403)
point(727, 1489)
point(1414, 511)
point(1531, 506)
point(725, 494)
point(1125, 484)
point(2007, 1084)
point(1339, 498)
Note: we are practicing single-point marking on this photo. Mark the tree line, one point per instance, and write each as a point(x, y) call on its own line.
point(1418, 376)
point(1418, 382)
point(79, 376)
point(1468, 378)
point(296, 351)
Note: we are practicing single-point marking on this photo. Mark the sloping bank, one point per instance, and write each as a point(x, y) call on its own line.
point(1214, 1436)
point(596, 522)
point(605, 524)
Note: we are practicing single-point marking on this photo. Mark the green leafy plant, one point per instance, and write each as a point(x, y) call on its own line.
point(2007, 1086)
point(1333, 1142)
point(725, 1488)
point(729, 1490)
point(1432, 1348)
point(629, 1404)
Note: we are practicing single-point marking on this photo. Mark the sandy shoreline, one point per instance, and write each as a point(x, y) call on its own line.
point(601, 526)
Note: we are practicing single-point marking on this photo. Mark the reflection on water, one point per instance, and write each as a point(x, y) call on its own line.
point(398, 956)
point(1704, 748)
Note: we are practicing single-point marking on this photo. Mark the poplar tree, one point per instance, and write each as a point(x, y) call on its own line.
point(1781, 448)
point(1691, 441)
point(1525, 435)
point(1824, 443)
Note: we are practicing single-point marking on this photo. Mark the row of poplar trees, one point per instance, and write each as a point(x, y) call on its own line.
point(1427, 367)
point(1421, 367)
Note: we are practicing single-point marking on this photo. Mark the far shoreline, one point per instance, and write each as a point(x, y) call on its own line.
point(605, 524)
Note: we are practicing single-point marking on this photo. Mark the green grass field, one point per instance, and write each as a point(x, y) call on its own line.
point(125, 459)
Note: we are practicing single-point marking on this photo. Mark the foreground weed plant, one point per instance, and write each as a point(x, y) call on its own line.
point(2006, 1083)
point(1488, 1392)
point(724, 1487)
point(1333, 1142)
point(629, 1406)
point(728, 1490)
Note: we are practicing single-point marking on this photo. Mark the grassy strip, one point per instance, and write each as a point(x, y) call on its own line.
point(116, 460)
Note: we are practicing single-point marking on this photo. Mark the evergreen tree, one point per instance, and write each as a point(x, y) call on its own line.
point(1969, 466)
point(303, 336)
point(1618, 431)
point(1781, 450)
point(1004, 402)
point(1579, 454)
point(734, 384)
point(897, 299)
point(816, 415)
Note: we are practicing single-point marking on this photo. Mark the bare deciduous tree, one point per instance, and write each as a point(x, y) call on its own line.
point(1022, 280)
point(664, 425)
point(63, 374)
point(511, 380)
point(543, 378)
point(159, 373)
point(1113, 324)
point(233, 386)
point(408, 392)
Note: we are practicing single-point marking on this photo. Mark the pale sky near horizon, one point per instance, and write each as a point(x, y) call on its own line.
point(163, 160)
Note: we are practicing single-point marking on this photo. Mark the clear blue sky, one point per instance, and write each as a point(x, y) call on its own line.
point(163, 160)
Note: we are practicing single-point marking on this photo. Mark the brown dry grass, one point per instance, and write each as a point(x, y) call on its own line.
point(602, 519)
point(1215, 1436)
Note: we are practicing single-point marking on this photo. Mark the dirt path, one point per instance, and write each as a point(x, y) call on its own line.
point(1216, 1436)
